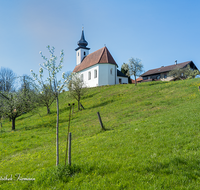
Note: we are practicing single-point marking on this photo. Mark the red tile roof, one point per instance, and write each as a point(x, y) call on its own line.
point(138, 80)
point(100, 56)
point(165, 69)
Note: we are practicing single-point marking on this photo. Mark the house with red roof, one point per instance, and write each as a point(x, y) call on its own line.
point(98, 68)
point(162, 73)
point(138, 80)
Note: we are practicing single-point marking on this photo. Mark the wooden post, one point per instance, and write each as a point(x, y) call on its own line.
point(82, 106)
point(68, 134)
point(69, 153)
point(102, 127)
point(73, 108)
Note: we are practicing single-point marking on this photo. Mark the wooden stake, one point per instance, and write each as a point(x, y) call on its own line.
point(100, 121)
point(68, 134)
point(82, 106)
point(69, 153)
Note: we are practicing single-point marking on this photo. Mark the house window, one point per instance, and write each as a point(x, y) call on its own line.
point(81, 77)
point(89, 75)
point(111, 70)
point(145, 78)
point(78, 53)
point(120, 81)
point(95, 73)
point(165, 76)
point(84, 53)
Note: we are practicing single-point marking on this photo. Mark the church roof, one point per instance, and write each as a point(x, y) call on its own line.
point(100, 56)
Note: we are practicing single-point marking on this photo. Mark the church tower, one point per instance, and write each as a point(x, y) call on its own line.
point(82, 51)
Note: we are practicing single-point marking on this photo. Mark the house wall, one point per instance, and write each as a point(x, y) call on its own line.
point(166, 79)
point(93, 81)
point(123, 79)
point(163, 77)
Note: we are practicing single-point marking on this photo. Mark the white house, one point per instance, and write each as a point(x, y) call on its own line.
point(98, 68)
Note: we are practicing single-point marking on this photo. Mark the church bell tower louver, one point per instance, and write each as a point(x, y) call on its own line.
point(82, 51)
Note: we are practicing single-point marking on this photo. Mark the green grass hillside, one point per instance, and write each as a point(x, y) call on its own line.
point(152, 141)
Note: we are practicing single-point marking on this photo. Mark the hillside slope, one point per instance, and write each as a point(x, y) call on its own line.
point(151, 142)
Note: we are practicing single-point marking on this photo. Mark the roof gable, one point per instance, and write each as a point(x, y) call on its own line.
point(166, 69)
point(100, 56)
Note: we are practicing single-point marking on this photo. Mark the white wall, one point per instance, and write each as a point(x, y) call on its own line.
point(105, 77)
point(123, 79)
point(93, 81)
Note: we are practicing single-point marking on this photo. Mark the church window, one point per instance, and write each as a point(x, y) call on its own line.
point(84, 53)
point(78, 53)
point(111, 70)
point(95, 73)
point(89, 75)
point(81, 77)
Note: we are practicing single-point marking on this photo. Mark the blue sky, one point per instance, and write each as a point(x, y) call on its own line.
point(158, 32)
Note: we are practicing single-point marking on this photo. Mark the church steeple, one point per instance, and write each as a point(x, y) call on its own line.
point(82, 43)
point(82, 51)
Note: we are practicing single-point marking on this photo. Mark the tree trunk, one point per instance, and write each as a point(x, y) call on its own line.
point(13, 123)
point(135, 81)
point(57, 132)
point(48, 110)
point(78, 105)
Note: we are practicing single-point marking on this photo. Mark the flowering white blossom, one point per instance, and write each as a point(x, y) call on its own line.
point(41, 70)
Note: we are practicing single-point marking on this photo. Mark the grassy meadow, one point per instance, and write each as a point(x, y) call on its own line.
point(152, 140)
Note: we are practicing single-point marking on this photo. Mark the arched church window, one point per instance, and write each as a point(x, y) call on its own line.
point(95, 73)
point(89, 75)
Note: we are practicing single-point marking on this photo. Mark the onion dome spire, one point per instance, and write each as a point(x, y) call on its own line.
point(82, 43)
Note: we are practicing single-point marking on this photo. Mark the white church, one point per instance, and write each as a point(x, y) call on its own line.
point(98, 68)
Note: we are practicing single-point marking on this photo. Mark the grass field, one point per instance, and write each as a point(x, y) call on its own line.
point(152, 141)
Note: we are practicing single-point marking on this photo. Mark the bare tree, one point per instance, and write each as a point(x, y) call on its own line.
point(76, 87)
point(134, 67)
point(7, 78)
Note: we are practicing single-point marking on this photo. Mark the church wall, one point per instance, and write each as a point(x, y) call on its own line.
point(93, 81)
point(105, 76)
point(111, 76)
